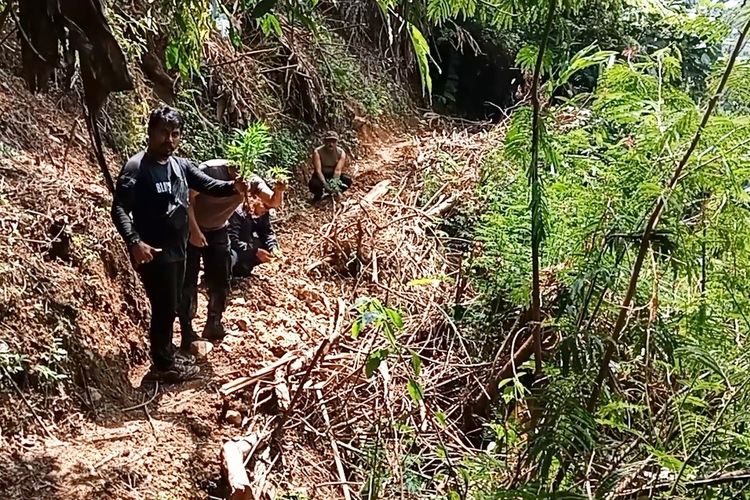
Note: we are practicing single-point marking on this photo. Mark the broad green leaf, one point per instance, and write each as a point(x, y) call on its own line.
point(415, 390)
point(356, 328)
point(395, 318)
point(416, 363)
point(374, 360)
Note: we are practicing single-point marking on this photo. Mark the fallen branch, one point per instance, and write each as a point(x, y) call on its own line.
point(320, 353)
point(335, 449)
point(233, 455)
point(729, 477)
point(242, 382)
point(145, 403)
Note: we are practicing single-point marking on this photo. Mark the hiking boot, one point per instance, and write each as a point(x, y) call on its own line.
point(174, 374)
point(217, 301)
point(213, 330)
point(182, 356)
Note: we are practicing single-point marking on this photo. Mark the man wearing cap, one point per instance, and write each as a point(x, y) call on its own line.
point(209, 241)
point(328, 162)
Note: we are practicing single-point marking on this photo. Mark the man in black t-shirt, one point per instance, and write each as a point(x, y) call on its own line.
point(150, 212)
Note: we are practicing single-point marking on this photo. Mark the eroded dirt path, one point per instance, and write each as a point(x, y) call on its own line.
point(169, 448)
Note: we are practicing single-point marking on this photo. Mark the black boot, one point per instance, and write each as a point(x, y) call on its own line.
point(214, 330)
point(187, 334)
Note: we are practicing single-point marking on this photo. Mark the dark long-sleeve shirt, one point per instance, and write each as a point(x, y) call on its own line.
point(245, 228)
point(144, 193)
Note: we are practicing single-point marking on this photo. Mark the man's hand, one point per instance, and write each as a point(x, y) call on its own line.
point(240, 185)
point(141, 253)
point(280, 185)
point(198, 239)
point(264, 255)
point(334, 186)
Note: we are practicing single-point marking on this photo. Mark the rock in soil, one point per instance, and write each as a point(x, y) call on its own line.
point(201, 348)
point(233, 417)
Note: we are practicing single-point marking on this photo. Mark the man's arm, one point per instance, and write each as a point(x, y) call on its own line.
point(317, 167)
point(122, 204)
point(233, 231)
point(265, 233)
point(339, 165)
point(203, 183)
point(278, 194)
point(270, 198)
point(197, 238)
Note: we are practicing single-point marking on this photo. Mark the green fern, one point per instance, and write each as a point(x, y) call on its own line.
point(422, 53)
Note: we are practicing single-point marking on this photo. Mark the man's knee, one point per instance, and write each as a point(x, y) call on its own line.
point(315, 185)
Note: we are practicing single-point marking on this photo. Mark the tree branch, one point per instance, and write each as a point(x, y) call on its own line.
point(535, 206)
point(653, 221)
point(729, 477)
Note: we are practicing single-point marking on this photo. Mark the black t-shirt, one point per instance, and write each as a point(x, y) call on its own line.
point(151, 199)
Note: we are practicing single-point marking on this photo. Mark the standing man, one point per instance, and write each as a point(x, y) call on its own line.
point(150, 212)
point(208, 217)
point(328, 162)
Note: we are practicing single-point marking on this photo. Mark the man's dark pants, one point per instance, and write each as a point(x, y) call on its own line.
point(163, 284)
point(244, 261)
point(216, 263)
point(317, 188)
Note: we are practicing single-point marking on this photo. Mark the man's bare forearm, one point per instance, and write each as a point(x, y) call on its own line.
point(318, 168)
point(339, 166)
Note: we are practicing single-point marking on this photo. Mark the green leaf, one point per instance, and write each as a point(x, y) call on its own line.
point(395, 318)
point(374, 359)
point(270, 24)
point(356, 328)
point(362, 302)
point(422, 54)
point(583, 59)
point(441, 418)
point(172, 55)
point(416, 363)
point(263, 8)
point(415, 390)
point(421, 282)
point(526, 59)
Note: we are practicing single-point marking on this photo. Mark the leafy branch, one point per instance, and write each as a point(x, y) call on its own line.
point(536, 206)
point(654, 220)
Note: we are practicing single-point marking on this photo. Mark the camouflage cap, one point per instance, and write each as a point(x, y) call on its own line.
point(331, 136)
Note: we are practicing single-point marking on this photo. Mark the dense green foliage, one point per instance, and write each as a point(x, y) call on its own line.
point(675, 406)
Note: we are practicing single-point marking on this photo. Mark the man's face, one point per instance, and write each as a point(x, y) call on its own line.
point(163, 140)
point(330, 144)
point(255, 207)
